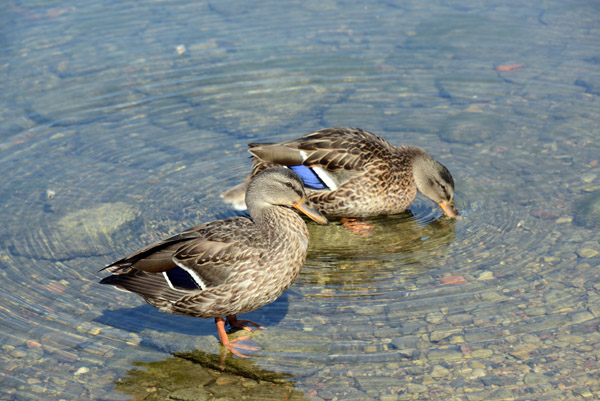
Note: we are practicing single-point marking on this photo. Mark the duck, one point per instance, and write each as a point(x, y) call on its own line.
point(353, 173)
point(230, 266)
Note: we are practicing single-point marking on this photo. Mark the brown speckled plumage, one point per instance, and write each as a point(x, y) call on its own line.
point(239, 264)
point(370, 175)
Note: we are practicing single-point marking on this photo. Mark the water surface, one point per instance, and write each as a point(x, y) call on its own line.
point(123, 122)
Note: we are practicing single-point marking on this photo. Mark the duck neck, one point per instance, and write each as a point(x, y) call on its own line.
point(276, 222)
point(422, 168)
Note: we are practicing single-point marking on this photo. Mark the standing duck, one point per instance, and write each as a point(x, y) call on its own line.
point(350, 172)
point(227, 267)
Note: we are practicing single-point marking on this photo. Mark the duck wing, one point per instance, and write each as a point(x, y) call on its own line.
point(201, 257)
point(327, 158)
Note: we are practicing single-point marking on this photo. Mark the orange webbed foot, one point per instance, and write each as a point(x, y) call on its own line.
point(358, 226)
point(235, 345)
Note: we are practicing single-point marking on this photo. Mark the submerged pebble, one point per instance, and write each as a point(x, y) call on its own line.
point(587, 210)
point(81, 371)
point(587, 253)
point(439, 371)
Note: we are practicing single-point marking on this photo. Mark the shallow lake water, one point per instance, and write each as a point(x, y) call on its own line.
point(121, 123)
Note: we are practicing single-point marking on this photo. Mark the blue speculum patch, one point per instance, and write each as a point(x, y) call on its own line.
point(309, 177)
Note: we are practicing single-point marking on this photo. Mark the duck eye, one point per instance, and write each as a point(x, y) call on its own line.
point(289, 185)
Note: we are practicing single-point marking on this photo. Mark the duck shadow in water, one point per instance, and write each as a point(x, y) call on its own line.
point(146, 318)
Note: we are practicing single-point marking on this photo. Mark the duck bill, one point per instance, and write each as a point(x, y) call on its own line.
point(449, 208)
point(305, 207)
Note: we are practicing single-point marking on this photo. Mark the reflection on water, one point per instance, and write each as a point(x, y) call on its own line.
point(390, 245)
point(197, 375)
point(112, 137)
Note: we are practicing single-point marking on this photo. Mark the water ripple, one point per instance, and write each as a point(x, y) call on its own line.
point(112, 137)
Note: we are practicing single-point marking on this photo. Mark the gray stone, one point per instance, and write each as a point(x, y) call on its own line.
point(416, 388)
point(497, 380)
point(581, 317)
point(478, 335)
point(534, 379)
point(482, 353)
point(570, 338)
point(434, 317)
point(587, 211)
point(587, 253)
point(445, 354)
point(438, 335)
point(439, 371)
point(523, 351)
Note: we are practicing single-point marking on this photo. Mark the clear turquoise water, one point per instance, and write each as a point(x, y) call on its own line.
point(112, 137)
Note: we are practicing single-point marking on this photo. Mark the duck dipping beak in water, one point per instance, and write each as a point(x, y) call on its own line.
point(350, 172)
point(450, 209)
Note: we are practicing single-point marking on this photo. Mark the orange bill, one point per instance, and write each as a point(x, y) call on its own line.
point(305, 207)
point(449, 208)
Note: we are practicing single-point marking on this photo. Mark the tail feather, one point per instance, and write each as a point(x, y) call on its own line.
point(236, 196)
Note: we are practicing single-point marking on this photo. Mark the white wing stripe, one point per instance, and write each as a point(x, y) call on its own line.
point(325, 177)
point(321, 173)
point(194, 275)
point(168, 280)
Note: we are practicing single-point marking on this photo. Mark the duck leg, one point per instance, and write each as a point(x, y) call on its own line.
point(230, 345)
point(233, 321)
